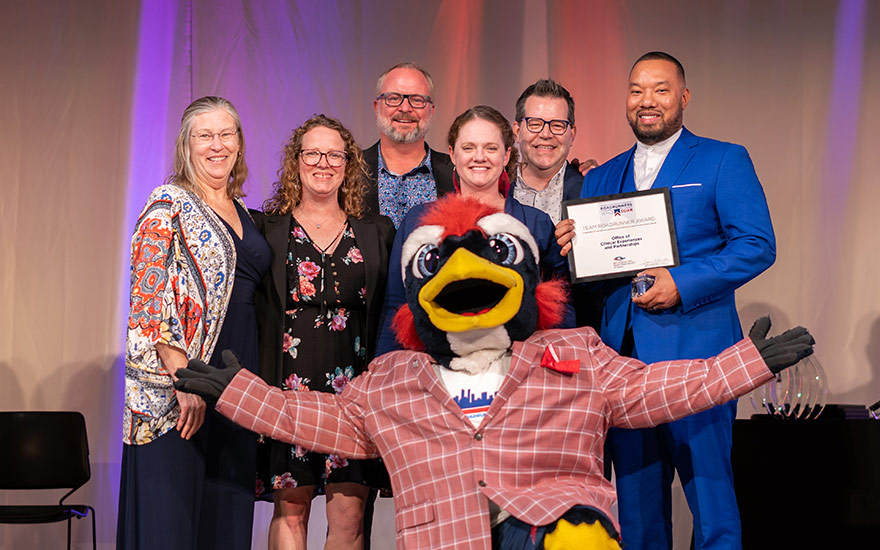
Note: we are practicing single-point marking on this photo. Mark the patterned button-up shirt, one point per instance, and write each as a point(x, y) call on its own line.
point(536, 453)
point(400, 192)
point(548, 199)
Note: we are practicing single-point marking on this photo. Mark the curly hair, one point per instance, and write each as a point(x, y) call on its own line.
point(489, 114)
point(288, 188)
point(184, 173)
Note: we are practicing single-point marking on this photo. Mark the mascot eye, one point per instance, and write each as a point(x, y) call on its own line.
point(427, 261)
point(506, 249)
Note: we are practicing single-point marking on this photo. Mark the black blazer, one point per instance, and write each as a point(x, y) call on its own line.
point(441, 166)
point(374, 234)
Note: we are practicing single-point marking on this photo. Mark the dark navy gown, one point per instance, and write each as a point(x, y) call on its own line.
point(227, 522)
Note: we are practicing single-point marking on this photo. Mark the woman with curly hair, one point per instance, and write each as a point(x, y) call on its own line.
point(321, 319)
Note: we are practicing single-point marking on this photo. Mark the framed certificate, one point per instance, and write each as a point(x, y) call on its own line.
point(620, 235)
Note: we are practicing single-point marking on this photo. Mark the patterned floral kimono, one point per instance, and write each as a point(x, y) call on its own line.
point(182, 272)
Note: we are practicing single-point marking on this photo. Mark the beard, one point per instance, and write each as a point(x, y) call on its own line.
point(662, 131)
point(418, 133)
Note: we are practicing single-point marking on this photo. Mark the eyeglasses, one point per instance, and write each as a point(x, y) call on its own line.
point(536, 125)
point(416, 101)
point(311, 157)
point(226, 136)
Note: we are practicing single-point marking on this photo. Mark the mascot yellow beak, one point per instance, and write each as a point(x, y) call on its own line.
point(470, 292)
point(583, 536)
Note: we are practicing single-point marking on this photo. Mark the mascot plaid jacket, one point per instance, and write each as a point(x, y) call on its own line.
point(537, 451)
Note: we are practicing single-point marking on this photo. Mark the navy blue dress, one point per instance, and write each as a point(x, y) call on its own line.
point(239, 332)
point(199, 494)
point(230, 467)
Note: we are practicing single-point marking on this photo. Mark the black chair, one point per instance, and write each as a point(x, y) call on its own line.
point(44, 450)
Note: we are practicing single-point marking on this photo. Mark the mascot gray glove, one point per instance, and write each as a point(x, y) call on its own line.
point(784, 350)
point(205, 380)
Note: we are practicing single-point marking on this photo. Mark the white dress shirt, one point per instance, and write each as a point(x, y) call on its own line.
point(648, 160)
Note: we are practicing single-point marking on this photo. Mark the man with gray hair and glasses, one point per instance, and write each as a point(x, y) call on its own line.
point(403, 170)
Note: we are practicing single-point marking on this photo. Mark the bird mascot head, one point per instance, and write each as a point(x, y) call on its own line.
point(473, 285)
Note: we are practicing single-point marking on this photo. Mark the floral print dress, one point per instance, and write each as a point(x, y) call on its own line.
point(324, 332)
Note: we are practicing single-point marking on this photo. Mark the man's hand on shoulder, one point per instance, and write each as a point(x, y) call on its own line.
point(585, 166)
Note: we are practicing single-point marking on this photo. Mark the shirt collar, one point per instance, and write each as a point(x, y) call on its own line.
point(554, 181)
point(424, 165)
point(659, 148)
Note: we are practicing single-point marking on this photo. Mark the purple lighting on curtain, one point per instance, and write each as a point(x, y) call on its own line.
point(148, 162)
point(844, 104)
point(149, 158)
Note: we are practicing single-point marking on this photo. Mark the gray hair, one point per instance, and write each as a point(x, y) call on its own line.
point(184, 173)
point(406, 65)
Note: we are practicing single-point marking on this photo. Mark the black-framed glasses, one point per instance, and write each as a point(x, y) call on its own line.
point(226, 136)
point(311, 157)
point(536, 125)
point(416, 101)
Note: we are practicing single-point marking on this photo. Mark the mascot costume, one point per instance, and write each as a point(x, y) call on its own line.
point(491, 423)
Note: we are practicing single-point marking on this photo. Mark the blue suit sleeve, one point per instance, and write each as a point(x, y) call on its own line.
point(395, 292)
point(553, 263)
point(747, 244)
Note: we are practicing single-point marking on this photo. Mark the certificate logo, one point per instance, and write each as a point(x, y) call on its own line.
point(622, 262)
point(616, 211)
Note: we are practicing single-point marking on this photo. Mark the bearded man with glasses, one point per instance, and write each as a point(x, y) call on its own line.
point(403, 170)
point(725, 238)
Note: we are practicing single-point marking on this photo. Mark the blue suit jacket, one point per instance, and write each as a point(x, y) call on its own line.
point(725, 238)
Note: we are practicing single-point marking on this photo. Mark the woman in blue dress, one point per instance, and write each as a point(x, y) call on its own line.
point(196, 260)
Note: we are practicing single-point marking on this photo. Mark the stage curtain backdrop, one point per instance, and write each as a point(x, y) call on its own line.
point(93, 91)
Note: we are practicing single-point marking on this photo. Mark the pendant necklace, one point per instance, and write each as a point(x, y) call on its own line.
point(311, 219)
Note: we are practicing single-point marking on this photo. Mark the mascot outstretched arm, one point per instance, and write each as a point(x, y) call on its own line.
point(492, 423)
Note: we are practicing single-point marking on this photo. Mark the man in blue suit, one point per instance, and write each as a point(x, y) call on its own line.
point(725, 238)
